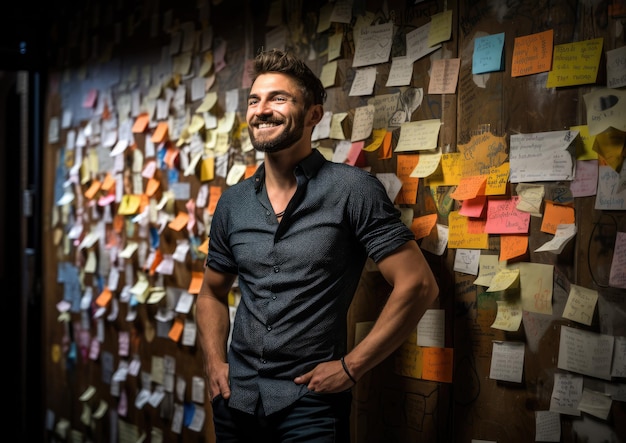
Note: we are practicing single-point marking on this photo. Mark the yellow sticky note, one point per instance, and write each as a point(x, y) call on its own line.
point(575, 63)
point(129, 204)
point(460, 237)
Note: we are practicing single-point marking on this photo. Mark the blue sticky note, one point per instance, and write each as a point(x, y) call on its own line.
point(488, 54)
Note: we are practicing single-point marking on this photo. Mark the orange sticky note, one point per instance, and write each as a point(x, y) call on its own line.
point(108, 183)
point(171, 154)
point(554, 215)
point(512, 245)
point(158, 258)
point(141, 123)
point(179, 222)
point(437, 364)
point(532, 53)
point(215, 192)
point(421, 226)
point(473, 207)
point(152, 186)
point(250, 170)
point(176, 330)
point(460, 235)
point(196, 282)
point(160, 133)
point(470, 187)
point(104, 298)
point(93, 189)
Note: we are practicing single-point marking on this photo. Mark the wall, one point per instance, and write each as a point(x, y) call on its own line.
point(112, 346)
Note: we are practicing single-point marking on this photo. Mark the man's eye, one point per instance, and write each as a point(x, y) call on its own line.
point(280, 98)
point(252, 102)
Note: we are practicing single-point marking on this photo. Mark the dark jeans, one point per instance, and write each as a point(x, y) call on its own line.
point(314, 418)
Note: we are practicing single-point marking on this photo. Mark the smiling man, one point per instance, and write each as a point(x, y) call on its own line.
point(296, 235)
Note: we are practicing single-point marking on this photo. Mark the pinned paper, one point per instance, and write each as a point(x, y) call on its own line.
point(488, 54)
point(617, 276)
point(581, 304)
point(532, 53)
point(427, 165)
point(512, 246)
point(422, 226)
point(507, 361)
point(555, 215)
point(488, 266)
point(461, 237)
point(503, 217)
point(508, 317)
point(470, 187)
point(542, 156)
point(575, 63)
point(536, 282)
point(564, 233)
point(605, 108)
point(504, 279)
point(418, 135)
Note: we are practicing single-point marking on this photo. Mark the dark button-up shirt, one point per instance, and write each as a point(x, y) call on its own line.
point(297, 278)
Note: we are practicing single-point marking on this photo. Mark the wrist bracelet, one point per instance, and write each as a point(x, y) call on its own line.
point(345, 368)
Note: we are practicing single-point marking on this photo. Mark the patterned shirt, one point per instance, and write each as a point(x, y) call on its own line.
point(297, 278)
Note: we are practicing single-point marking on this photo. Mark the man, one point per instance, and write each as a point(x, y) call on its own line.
point(296, 235)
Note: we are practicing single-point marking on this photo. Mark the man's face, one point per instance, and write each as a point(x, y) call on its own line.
point(275, 113)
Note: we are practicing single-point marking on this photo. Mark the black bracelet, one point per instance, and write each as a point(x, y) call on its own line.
point(345, 368)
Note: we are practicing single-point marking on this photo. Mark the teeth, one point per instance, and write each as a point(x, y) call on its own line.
point(265, 125)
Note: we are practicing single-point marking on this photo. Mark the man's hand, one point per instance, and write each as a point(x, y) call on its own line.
point(326, 378)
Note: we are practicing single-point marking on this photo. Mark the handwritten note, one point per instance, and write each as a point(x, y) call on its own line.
point(488, 266)
point(581, 304)
point(585, 352)
point(617, 276)
point(509, 316)
point(431, 329)
point(503, 217)
point(417, 43)
point(512, 246)
point(440, 27)
point(400, 72)
point(609, 196)
point(575, 63)
point(483, 152)
point(363, 123)
point(536, 282)
point(444, 76)
point(615, 64)
point(542, 156)
point(547, 426)
point(373, 45)
point(566, 393)
point(488, 52)
point(595, 403)
point(438, 364)
point(467, 261)
point(564, 232)
point(605, 108)
point(363, 83)
point(585, 182)
point(418, 135)
point(507, 361)
point(532, 53)
point(436, 241)
point(460, 237)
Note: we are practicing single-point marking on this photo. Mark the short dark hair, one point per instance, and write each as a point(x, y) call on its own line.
point(275, 60)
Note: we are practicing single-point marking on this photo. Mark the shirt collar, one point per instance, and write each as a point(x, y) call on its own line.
point(309, 167)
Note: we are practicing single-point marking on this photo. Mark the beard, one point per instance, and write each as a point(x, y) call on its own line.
point(290, 135)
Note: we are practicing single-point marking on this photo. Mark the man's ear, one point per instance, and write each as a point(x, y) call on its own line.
point(316, 112)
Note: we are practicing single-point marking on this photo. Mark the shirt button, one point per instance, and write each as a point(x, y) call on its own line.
point(276, 269)
point(273, 297)
point(263, 361)
point(269, 328)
